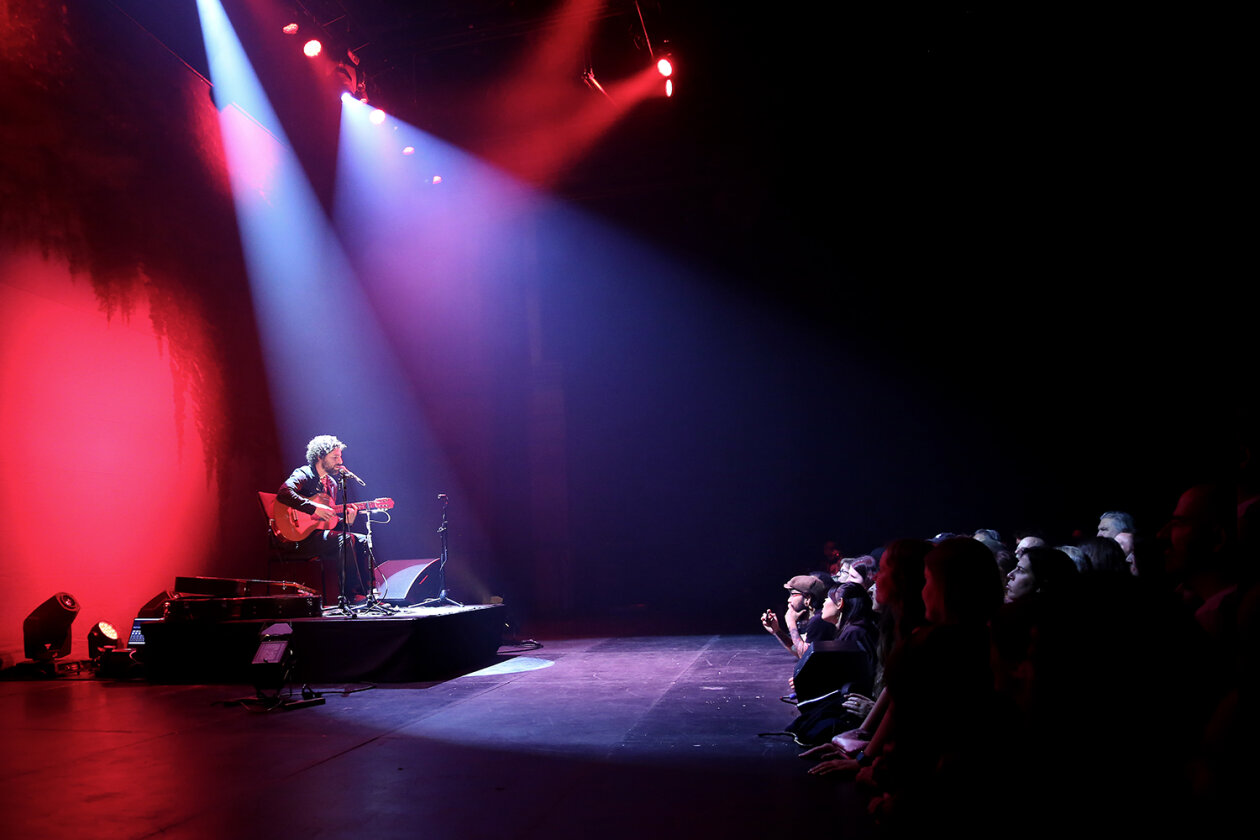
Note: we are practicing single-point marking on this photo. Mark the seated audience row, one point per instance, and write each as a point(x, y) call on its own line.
point(1020, 688)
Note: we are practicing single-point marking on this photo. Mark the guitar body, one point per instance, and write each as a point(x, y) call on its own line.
point(295, 526)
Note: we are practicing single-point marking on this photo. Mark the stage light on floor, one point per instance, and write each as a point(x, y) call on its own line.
point(665, 67)
point(290, 29)
point(103, 636)
point(273, 644)
point(669, 87)
point(312, 48)
point(46, 631)
point(376, 117)
point(271, 668)
point(272, 660)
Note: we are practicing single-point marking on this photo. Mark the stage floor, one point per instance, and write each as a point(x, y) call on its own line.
point(600, 738)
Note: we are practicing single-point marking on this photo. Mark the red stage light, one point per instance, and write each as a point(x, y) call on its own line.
point(312, 48)
point(376, 117)
point(290, 29)
point(669, 87)
point(664, 67)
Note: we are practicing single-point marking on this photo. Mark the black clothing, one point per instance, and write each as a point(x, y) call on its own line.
point(819, 630)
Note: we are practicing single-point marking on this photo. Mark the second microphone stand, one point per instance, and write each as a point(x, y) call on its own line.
point(442, 600)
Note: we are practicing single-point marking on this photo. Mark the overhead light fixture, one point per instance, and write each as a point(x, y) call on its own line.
point(351, 77)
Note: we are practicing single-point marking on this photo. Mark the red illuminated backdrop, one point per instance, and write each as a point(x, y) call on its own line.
point(126, 327)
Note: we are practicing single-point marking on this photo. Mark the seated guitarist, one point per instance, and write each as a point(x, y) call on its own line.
point(302, 491)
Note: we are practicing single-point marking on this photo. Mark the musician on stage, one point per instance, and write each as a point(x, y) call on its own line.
point(323, 465)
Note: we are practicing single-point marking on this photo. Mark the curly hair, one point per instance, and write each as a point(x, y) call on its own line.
point(320, 446)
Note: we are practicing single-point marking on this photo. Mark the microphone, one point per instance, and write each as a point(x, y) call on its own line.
point(349, 474)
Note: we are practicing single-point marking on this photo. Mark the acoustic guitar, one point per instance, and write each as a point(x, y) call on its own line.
point(295, 526)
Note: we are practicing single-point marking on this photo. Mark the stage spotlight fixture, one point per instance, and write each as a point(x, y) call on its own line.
point(273, 644)
point(46, 631)
point(312, 48)
point(290, 29)
point(376, 117)
point(665, 67)
point(350, 77)
point(273, 657)
point(103, 636)
point(409, 150)
point(437, 179)
point(669, 87)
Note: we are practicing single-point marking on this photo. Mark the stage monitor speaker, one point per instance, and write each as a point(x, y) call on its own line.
point(832, 666)
point(406, 581)
point(46, 631)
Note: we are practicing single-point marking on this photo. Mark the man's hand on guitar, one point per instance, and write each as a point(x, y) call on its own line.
point(324, 513)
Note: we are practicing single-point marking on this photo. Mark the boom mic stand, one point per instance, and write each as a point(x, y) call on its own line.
point(442, 600)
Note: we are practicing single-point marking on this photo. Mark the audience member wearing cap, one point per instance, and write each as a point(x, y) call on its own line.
point(806, 594)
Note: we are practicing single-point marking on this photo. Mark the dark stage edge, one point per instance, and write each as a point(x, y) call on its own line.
point(415, 645)
point(585, 738)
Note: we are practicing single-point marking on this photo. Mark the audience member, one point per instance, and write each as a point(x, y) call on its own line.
point(806, 594)
point(943, 721)
point(1104, 555)
point(860, 571)
point(1040, 569)
point(1126, 542)
point(1026, 542)
point(1113, 522)
point(1077, 556)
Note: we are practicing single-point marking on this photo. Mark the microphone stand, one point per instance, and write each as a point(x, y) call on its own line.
point(343, 605)
point(442, 599)
point(373, 604)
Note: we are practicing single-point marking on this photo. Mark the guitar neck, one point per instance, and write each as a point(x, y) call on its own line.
point(375, 504)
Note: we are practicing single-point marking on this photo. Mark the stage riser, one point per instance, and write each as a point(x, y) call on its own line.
point(328, 649)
